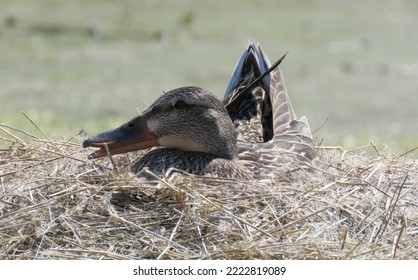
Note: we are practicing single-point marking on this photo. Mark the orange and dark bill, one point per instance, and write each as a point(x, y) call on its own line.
point(133, 135)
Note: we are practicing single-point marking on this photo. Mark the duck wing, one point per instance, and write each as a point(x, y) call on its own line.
point(290, 133)
point(287, 140)
point(247, 96)
point(252, 64)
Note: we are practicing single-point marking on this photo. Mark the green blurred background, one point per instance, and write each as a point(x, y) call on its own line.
point(93, 64)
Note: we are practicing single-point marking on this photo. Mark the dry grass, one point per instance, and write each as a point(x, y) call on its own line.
point(56, 204)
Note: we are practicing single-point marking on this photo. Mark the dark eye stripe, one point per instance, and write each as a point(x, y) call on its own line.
point(181, 104)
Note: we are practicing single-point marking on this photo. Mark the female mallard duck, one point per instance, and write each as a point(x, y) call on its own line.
point(197, 134)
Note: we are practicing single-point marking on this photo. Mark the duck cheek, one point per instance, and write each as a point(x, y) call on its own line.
point(180, 143)
point(153, 125)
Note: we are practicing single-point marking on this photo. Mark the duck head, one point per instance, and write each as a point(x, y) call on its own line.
point(187, 119)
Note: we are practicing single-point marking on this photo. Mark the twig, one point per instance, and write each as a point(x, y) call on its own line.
point(320, 127)
point(409, 151)
point(398, 237)
point(391, 210)
point(40, 130)
point(171, 238)
point(19, 130)
point(151, 232)
point(13, 136)
point(375, 148)
point(97, 252)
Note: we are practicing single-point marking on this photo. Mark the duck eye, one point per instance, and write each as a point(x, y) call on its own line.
point(181, 104)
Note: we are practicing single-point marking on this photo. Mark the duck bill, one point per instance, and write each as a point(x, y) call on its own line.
point(131, 136)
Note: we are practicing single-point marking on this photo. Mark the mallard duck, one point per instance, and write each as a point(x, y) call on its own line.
point(252, 133)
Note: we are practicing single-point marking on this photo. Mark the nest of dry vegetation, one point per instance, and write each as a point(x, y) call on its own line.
point(56, 204)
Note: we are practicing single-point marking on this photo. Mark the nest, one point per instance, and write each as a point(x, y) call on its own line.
point(56, 204)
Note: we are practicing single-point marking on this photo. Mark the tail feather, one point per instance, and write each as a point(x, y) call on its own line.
point(283, 112)
point(290, 133)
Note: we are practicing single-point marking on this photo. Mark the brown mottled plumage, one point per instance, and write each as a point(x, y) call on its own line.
point(252, 133)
